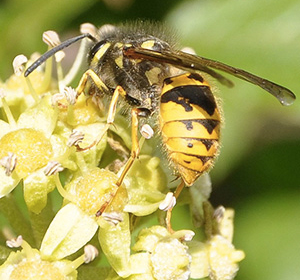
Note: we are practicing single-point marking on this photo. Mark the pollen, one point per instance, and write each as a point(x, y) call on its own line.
point(31, 147)
point(95, 189)
point(38, 270)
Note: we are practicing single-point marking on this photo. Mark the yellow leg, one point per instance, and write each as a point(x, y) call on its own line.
point(169, 212)
point(110, 117)
point(135, 149)
point(96, 79)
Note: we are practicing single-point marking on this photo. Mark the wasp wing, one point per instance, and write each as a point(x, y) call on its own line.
point(177, 59)
point(197, 63)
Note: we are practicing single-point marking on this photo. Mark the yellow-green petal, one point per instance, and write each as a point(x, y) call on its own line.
point(36, 188)
point(115, 243)
point(7, 183)
point(69, 231)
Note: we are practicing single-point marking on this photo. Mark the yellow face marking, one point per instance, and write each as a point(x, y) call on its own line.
point(100, 53)
point(119, 45)
point(119, 61)
point(148, 44)
point(152, 75)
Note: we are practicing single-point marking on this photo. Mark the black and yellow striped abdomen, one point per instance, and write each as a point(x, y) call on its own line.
point(189, 124)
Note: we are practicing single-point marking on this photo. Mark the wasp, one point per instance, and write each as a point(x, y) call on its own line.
point(139, 64)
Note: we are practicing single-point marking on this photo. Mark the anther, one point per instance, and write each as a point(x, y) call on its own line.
point(52, 168)
point(147, 131)
point(70, 94)
point(219, 213)
point(168, 203)
point(75, 138)
point(9, 163)
point(19, 64)
point(89, 28)
point(15, 243)
point(90, 253)
point(51, 38)
point(112, 217)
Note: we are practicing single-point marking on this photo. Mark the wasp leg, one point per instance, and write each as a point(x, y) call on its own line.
point(169, 212)
point(135, 150)
point(110, 117)
point(96, 79)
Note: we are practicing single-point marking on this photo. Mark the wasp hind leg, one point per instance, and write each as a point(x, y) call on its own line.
point(135, 150)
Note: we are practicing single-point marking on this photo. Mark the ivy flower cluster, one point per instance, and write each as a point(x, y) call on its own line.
point(53, 182)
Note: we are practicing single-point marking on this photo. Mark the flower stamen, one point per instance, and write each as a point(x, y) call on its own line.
point(147, 131)
point(51, 38)
point(90, 253)
point(8, 113)
point(61, 189)
point(53, 167)
point(81, 55)
point(19, 64)
point(219, 213)
point(75, 138)
point(15, 242)
point(70, 94)
point(9, 163)
point(112, 217)
point(89, 28)
point(168, 203)
point(20, 242)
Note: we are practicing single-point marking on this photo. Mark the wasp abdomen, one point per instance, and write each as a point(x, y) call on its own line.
point(190, 124)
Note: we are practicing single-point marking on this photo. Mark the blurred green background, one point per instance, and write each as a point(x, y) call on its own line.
point(258, 170)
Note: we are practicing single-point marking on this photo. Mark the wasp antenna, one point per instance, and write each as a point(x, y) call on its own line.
point(56, 49)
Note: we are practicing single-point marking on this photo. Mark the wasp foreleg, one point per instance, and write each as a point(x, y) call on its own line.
point(110, 117)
